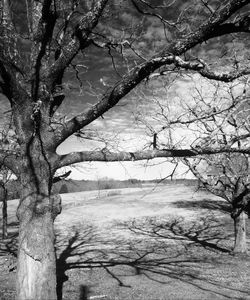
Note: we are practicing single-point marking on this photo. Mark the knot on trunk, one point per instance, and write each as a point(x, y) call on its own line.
point(40, 205)
point(49, 204)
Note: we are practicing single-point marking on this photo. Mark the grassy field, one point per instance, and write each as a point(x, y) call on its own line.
point(150, 243)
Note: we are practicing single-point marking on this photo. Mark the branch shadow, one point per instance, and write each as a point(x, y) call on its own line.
point(79, 248)
point(207, 231)
point(157, 249)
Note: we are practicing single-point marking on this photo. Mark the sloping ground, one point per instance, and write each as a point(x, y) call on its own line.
point(134, 244)
point(105, 206)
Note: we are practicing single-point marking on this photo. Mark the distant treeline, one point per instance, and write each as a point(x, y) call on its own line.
point(74, 186)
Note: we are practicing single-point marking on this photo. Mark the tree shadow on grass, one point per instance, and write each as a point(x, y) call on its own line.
point(157, 249)
point(207, 232)
point(199, 245)
point(211, 205)
point(74, 246)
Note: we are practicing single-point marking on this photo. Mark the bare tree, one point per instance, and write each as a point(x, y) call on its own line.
point(223, 126)
point(41, 41)
point(227, 176)
point(214, 117)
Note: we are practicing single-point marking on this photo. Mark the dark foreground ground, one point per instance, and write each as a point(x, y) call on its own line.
point(143, 244)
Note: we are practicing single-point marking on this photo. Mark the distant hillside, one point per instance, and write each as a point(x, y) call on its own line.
point(73, 186)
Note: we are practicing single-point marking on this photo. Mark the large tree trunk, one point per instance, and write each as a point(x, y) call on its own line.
point(36, 267)
point(36, 272)
point(240, 244)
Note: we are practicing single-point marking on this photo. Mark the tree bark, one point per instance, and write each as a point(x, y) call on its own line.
point(36, 270)
point(36, 267)
point(240, 245)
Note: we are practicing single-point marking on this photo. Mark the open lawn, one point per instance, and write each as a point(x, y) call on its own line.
point(152, 243)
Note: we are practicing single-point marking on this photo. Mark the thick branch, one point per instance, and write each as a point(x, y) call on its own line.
point(107, 156)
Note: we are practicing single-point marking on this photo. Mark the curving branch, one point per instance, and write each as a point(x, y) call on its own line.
point(202, 68)
point(225, 77)
point(207, 72)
